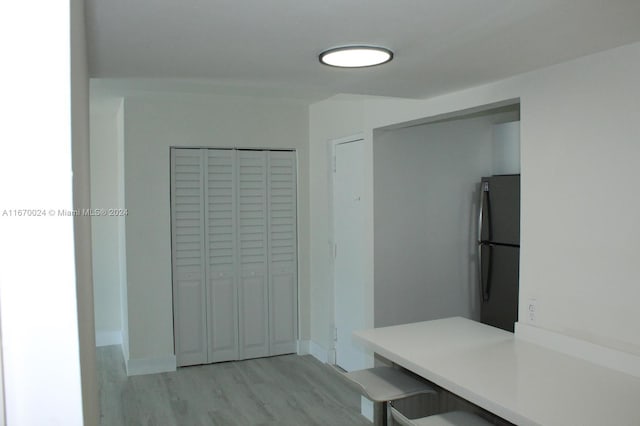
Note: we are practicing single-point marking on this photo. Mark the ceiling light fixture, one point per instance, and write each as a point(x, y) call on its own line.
point(355, 56)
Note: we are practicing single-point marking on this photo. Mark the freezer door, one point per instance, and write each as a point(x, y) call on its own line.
point(501, 209)
point(499, 286)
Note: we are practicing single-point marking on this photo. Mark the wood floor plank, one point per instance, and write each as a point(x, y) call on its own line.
point(288, 390)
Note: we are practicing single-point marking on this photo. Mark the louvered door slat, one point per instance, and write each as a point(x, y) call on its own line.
point(282, 193)
point(221, 255)
point(252, 253)
point(187, 225)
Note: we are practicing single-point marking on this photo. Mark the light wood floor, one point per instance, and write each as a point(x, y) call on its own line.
point(284, 390)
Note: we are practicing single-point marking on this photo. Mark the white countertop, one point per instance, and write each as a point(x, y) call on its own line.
point(524, 383)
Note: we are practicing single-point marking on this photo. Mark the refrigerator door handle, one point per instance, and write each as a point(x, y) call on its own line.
point(484, 188)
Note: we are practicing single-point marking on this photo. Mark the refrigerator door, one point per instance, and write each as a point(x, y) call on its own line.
point(501, 209)
point(500, 274)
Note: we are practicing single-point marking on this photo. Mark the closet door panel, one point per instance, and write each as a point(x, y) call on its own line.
point(254, 312)
point(221, 255)
point(282, 219)
point(188, 250)
point(190, 330)
point(283, 314)
point(223, 314)
point(252, 253)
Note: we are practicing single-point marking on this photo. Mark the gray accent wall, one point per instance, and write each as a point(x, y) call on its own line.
point(425, 191)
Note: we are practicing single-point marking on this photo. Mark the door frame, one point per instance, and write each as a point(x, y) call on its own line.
point(331, 162)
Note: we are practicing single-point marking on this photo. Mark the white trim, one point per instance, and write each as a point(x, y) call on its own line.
point(318, 352)
point(125, 354)
point(108, 338)
point(346, 139)
point(303, 347)
point(331, 356)
point(139, 366)
point(624, 362)
point(309, 347)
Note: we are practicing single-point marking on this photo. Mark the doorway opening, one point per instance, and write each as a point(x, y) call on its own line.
point(427, 177)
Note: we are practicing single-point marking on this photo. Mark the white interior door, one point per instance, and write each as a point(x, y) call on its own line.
point(282, 252)
point(188, 251)
point(349, 233)
point(252, 250)
point(221, 254)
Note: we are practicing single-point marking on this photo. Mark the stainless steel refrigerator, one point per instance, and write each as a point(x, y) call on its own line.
point(499, 250)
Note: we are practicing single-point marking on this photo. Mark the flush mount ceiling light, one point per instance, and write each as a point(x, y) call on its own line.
point(355, 56)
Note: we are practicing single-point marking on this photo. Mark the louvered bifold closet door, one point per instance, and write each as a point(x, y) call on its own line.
point(220, 193)
point(188, 251)
point(252, 253)
point(283, 297)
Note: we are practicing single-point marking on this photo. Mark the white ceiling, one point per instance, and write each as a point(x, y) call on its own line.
point(439, 45)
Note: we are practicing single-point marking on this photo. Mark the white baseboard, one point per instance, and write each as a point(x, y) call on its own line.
point(108, 338)
point(607, 357)
point(318, 352)
point(303, 347)
point(139, 366)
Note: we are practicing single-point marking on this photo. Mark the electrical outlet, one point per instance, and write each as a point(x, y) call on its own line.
point(532, 309)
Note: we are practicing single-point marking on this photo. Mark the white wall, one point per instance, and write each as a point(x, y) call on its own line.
point(82, 224)
point(47, 359)
point(580, 123)
point(425, 192)
point(580, 150)
point(152, 124)
point(506, 148)
point(105, 229)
